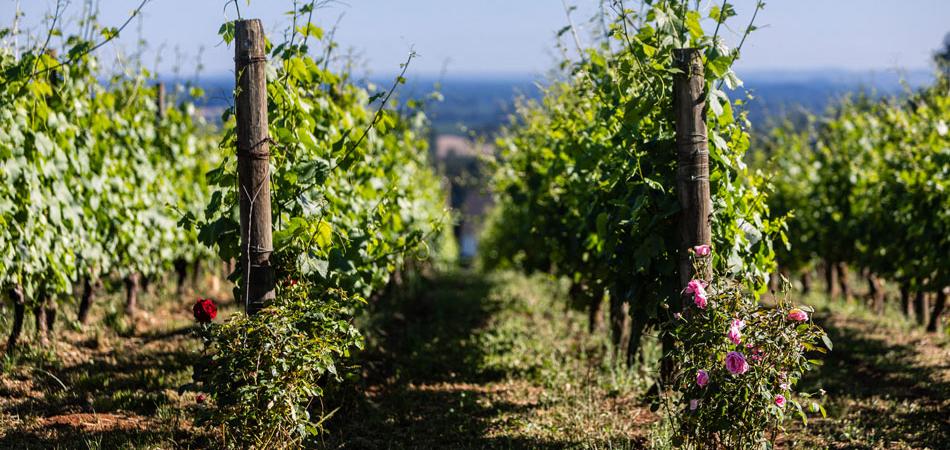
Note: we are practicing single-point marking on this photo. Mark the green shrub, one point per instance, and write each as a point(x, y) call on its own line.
point(736, 367)
point(265, 374)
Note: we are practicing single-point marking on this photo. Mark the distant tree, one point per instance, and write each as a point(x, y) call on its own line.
point(942, 57)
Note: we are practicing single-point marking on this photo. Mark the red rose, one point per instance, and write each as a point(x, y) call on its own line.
point(205, 311)
point(200, 399)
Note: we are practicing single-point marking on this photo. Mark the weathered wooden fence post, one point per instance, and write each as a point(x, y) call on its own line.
point(692, 172)
point(160, 99)
point(253, 152)
point(692, 160)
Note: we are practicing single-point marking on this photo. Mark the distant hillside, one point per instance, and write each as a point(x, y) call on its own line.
point(777, 93)
point(483, 104)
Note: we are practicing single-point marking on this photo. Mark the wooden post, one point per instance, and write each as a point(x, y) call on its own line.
point(921, 307)
point(88, 297)
point(131, 282)
point(906, 305)
point(40, 312)
point(831, 280)
point(876, 289)
point(160, 100)
point(939, 304)
point(806, 281)
point(692, 160)
point(844, 275)
point(19, 311)
point(253, 151)
point(692, 177)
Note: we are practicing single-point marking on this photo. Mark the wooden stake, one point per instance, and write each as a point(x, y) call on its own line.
point(692, 177)
point(692, 160)
point(921, 306)
point(939, 304)
point(906, 305)
point(19, 311)
point(160, 99)
point(131, 292)
point(88, 297)
point(253, 151)
point(40, 311)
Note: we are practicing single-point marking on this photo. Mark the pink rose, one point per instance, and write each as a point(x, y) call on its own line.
point(698, 289)
point(702, 378)
point(736, 363)
point(735, 331)
point(700, 300)
point(780, 400)
point(702, 250)
point(797, 315)
point(677, 316)
point(696, 286)
point(785, 387)
point(735, 335)
point(693, 404)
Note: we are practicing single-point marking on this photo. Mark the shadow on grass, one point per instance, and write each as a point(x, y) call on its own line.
point(71, 438)
point(426, 381)
point(104, 399)
point(879, 392)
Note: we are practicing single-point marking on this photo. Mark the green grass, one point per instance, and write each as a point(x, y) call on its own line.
point(491, 361)
point(887, 380)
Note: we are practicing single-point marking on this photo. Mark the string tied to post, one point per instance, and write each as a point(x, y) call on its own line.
point(259, 250)
point(692, 138)
point(250, 59)
point(253, 153)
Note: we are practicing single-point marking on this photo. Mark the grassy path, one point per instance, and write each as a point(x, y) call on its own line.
point(491, 362)
point(474, 361)
point(888, 383)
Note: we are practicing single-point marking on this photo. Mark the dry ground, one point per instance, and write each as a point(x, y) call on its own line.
point(111, 384)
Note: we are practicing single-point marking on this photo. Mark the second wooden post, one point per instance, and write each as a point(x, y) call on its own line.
point(253, 152)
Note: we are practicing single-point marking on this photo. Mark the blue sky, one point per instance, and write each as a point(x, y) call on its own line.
point(497, 37)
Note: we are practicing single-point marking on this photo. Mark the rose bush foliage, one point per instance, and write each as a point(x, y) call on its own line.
point(737, 364)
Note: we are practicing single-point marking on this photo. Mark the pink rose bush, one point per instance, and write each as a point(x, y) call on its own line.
point(737, 362)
